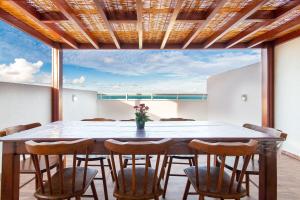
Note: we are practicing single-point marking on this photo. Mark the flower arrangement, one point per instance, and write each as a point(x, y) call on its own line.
point(141, 115)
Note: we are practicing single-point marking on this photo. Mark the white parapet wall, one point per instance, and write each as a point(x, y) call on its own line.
point(287, 93)
point(123, 109)
point(235, 96)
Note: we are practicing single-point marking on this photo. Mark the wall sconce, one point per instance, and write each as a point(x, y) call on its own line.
point(74, 98)
point(244, 97)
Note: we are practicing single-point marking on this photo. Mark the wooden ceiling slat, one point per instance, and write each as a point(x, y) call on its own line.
point(274, 32)
point(13, 21)
point(239, 17)
point(281, 15)
point(139, 13)
point(201, 26)
point(23, 7)
point(63, 6)
point(171, 23)
point(107, 24)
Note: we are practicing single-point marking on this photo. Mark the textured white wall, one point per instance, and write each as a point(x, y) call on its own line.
point(84, 107)
point(21, 104)
point(224, 96)
point(287, 93)
point(158, 109)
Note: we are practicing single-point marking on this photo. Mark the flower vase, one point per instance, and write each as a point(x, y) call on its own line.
point(140, 124)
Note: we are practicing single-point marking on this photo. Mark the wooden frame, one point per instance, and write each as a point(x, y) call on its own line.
point(268, 85)
point(57, 84)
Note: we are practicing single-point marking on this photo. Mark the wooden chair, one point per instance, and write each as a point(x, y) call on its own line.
point(138, 182)
point(253, 167)
point(128, 158)
point(176, 119)
point(100, 159)
point(214, 181)
point(67, 182)
point(188, 158)
point(26, 164)
point(99, 120)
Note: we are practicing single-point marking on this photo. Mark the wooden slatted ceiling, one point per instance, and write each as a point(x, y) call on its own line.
point(152, 24)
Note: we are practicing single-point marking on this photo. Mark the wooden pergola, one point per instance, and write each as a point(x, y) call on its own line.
point(153, 24)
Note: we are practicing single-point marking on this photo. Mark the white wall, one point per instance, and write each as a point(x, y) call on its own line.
point(21, 104)
point(84, 107)
point(225, 91)
point(158, 109)
point(287, 93)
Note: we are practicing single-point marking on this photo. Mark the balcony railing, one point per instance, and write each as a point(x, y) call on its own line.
point(176, 97)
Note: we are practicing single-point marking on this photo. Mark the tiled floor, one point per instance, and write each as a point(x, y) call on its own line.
point(288, 184)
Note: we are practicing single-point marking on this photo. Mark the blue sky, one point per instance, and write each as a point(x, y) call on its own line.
point(24, 59)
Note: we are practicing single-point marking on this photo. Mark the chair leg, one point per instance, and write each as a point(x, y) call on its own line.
point(167, 176)
point(110, 169)
point(125, 163)
point(104, 179)
point(190, 162)
point(78, 163)
point(94, 191)
point(247, 184)
point(187, 189)
point(156, 198)
point(77, 198)
point(201, 197)
point(149, 162)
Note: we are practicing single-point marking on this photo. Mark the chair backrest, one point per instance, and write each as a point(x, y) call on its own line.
point(2, 133)
point(148, 148)
point(270, 131)
point(33, 125)
point(18, 128)
point(46, 149)
point(176, 119)
point(99, 120)
point(127, 120)
point(14, 129)
point(242, 153)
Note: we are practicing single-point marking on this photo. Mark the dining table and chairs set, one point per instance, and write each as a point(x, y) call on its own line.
point(67, 157)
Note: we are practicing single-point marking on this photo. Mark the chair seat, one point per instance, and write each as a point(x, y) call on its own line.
point(137, 157)
point(212, 192)
point(67, 187)
point(27, 166)
point(253, 166)
point(92, 157)
point(140, 174)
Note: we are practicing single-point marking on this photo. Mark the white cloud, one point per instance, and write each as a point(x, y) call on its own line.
point(170, 63)
point(20, 71)
point(79, 81)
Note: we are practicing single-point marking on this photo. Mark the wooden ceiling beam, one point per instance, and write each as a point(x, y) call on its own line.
point(139, 13)
point(63, 6)
point(236, 19)
point(13, 21)
point(157, 46)
point(287, 37)
point(31, 12)
point(107, 24)
point(272, 34)
point(201, 25)
point(172, 21)
point(281, 14)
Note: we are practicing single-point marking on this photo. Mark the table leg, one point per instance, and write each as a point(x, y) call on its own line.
point(10, 172)
point(268, 172)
